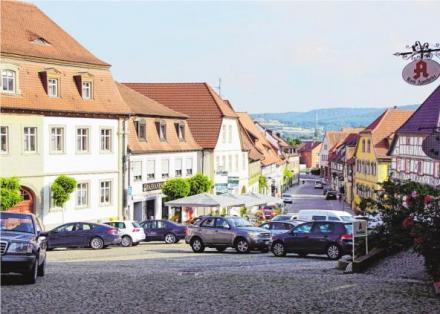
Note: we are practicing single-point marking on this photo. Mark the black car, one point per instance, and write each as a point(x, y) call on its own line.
point(276, 227)
point(331, 195)
point(82, 234)
point(319, 237)
point(23, 245)
point(163, 230)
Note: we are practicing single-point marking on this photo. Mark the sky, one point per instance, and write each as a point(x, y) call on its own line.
point(270, 56)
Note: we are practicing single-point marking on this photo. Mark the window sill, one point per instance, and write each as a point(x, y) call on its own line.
point(57, 153)
point(82, 207)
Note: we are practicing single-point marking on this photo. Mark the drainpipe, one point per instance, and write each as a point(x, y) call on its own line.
point(123, 160)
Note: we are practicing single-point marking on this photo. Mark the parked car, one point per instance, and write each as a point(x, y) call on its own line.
point(269, 212)
point(287, 198)
point(130, 231)
point(319, 184)
point(276, 227)
point(22, 245)
point(163, 230)
point(285, 217)
point(223, 232)
point(83, 234)
point(319, 237)
point(324, 214)
point(331, 195)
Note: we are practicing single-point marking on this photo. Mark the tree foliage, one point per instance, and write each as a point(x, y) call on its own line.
point(294, 141)
point(61, 189)
point(176, 188)
point(262, 183)
point(9, 192)
point(200, 184)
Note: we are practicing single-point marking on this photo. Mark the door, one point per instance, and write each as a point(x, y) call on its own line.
point(161, 229)
point(319, 237)
point(207, 230)
point(149, 210)
point(299, 241)
point(59, 236)
point(137, 211)
point(148, 228)
point(223, 234)
point(83, 234)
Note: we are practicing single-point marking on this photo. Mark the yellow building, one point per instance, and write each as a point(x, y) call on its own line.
point(372, 160)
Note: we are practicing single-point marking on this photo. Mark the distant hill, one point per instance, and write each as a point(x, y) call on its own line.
point(329, 119)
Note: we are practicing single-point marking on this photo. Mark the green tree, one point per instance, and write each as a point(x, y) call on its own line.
point(176, 188)
point(61, 189)
point(294, 141)
point(287, 174)
point(243, 211)
point(9, 192)
point(262, 183)
point(200, 184)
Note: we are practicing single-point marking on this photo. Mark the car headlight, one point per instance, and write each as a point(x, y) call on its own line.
point(20, 248)
point(254, 234)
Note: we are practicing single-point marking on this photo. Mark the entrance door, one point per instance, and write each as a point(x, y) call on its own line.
point(27, 204)
point(137, 211)
point(149, 211)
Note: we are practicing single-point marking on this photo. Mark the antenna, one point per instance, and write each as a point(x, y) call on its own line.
point(219, 87)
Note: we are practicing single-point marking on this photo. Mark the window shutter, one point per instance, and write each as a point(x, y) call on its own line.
point(150, 166)
point(78, 83)
point(43, 78)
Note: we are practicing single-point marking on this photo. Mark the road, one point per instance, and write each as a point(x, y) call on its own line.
point(159, 278)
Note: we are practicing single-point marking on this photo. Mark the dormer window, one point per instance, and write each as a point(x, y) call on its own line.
point(87, 90)
point(162, 130)
point(40, 41)
point(52, 87)
point(180, 130)
point(8, 81)
point(140, 127)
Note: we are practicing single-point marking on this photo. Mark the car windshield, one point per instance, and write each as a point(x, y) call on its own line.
point(280, 218)
point(135, 224)
point(240, 222)
point(347, 218)
point(349, 228)
point(16, 222)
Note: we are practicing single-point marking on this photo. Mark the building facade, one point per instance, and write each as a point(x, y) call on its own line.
point(309, 154)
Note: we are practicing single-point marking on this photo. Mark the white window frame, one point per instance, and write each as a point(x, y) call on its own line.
point(103, 190)
point(162, 131)
point(178, 163)
point(151, 176)
point(181, 129)
point(230, 134)
point(104, 138)
point(56, 150)
point(52, 87)
point(82, 150)
point(189, 166)
point(87, 195)
point(4, 134)
point(26, 140)
point(165, 175)
point(87, 90)
point(137, 177)
point(13, 77)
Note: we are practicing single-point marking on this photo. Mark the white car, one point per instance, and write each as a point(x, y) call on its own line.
point(287, 198)
point(324, 214)
point(319, 184)
point(131, 232)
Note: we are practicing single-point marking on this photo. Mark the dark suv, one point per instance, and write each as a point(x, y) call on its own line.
point(319, 237)
point(224, 232)
point(23, 245)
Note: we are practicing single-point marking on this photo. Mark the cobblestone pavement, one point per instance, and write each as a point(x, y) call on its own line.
point(159, 278)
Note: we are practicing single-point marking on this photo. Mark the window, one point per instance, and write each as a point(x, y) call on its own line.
point(52, 87)
point(105, 192)
point(82, 140)
point(222, 223)
point(4, 139)
point(230, 134)
point(140, 127)
point(305, 228)
point(137, 170)
point(323, 228)
point(87, 90)
point(82, 195)
point(265, 226)
point(180, 129)
point(363, 146)
point(244, 161)
point(236, 163)
point(84, 227)
point(66, 228)
point(30, 139)
point(369, 146)
point(151, 169)
point(178, 167)
point(209, 222)
point(165, 168)
point(161, 130)
point(57, 140)
point(106, 140)
point(229, 163)
point(8, 81)
point(189, 166)
point(224, 163)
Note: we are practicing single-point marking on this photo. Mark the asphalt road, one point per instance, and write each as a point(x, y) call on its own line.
point(159, 278)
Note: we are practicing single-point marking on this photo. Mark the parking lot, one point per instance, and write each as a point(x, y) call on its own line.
point(159, 278)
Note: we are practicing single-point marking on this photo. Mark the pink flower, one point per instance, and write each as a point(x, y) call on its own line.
point(428, 199)
point(414, 194)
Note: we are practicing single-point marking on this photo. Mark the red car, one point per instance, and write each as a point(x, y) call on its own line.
point(269, 212)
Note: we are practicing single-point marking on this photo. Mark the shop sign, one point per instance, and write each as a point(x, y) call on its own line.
point(421, 72)
point(221, 188)
point(147, 187)
point(233, 182)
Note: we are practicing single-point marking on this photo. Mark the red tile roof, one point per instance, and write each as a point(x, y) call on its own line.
point(308, 146)
point(27, 31)
point(204, 107)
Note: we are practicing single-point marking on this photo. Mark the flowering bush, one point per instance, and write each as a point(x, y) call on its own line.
point(411, 215)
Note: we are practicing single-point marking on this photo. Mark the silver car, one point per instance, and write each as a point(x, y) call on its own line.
point(223, 232)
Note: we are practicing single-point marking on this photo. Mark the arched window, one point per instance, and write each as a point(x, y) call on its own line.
point(363, 146)
point(369, 146)
point(8, 81)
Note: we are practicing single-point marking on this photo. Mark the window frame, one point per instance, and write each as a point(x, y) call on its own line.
point(162, 173)
point(176, 160)
point(110, 139)
point(78, 151)
point(6, 137)
point(24, 140)
point(14, 80)
point(110, 192)
point(82, 206)
point(49, 79)
point(154, 170)
point(90, 89)
point(137, 178)
point(63, 139)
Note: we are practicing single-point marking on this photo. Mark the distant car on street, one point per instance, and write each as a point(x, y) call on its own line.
point(331, 195)
point(287, 198)
point(163, 230)
point(319, 184)
point(276, 227)
point(83, 234)
point(324, 214)
point(319, 237)
point(131, 232)
point(269, 212)
point(22, 245)
point(285, 217)
point(223, 232)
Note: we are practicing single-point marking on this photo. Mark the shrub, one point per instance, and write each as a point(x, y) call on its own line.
point(315, 172)
point(176, 188)
point(262, 183)
point(9, 192)
point(61, 189)
point(243, 211)
point(200, 184)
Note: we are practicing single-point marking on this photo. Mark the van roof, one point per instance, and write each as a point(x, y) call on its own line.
point(328, 211)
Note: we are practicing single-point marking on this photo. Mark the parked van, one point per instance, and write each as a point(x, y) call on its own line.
point(323, 214)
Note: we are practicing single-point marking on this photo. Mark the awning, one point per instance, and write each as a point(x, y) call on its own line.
point(205, 200)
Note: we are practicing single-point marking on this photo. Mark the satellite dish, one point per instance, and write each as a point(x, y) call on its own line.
point(431, 146)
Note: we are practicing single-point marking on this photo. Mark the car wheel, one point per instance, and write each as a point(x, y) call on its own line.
point(42, 269)
point(96, 243)
point(221, 249)
point(170, 238)
point(242, 246)
point(126, 241)
point(278, 249)
point(30, 277)
point(197, 245)
point(333, 251)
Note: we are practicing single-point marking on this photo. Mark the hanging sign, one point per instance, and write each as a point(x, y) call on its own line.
point(421, 72)
point(431, 146)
